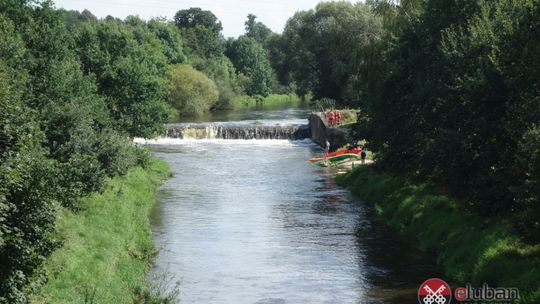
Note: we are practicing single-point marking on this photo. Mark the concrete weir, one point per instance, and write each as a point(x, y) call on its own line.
point(317, 129)
point(236, 131)
point(321, 132)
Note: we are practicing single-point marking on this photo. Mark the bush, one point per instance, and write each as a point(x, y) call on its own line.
point(115, 152)
point(324, 104)
point(222, 72)
point(27, 191)
point(142, 156)
point(192, 93)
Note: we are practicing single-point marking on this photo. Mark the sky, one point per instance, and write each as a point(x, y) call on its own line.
point(231, 13)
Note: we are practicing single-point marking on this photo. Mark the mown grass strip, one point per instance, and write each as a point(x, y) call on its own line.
point(108, 245)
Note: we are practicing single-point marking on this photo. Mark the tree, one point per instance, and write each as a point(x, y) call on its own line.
point(173, 46)
point(201, 31)
point(329, 48)
point(73, 19)
point(257, 30)
point(251, 59)
point(459, 94)
point(192, 93)
point(131, 70)
point(57, 140)
point(26, 189)
point(194, 17)
point(278, 56)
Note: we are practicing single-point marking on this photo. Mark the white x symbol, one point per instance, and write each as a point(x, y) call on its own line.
point(434, 296)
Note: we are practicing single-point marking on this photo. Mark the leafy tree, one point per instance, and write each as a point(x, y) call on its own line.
point(73, 19)
point(222, 72)
point(192, 93)
point(278, 56)
point(202, 32)
point(26, 200)
point(459, 94)
point(131, 70)
point(173, 46)
point(56, 140)
point(329, 48)
point(257, 30)
point(528, 189)
point(251, 59)
point(194, 17)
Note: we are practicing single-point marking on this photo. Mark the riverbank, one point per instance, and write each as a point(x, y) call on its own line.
point(469, 248)
point(107, 246)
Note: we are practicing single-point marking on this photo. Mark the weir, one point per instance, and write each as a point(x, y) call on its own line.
point(236, 131)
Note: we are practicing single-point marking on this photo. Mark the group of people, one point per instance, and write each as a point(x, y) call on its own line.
point(334, 117)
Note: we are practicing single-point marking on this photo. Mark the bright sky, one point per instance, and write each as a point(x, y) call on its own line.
point(231, 13)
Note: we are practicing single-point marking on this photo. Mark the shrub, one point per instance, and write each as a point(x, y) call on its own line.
point(192, 93)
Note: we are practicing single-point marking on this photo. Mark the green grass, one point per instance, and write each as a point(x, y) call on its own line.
point(469, 248)
point(348, 117)
point(108, 245)
point(272, 100)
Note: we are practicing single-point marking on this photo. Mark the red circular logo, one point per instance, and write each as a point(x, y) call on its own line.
point(434, 291)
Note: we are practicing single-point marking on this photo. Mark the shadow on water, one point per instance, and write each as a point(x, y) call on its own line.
point(396, 268)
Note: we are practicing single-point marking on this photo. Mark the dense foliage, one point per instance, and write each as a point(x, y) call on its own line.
point(459, 104)
point(192, 93)
point(75, 90)
point(329, 50)
point(67, 109)
point(130, 66)
point(252, 63)
point(449, 91)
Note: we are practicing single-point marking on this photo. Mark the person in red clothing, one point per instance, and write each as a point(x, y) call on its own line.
point(331, 118)
point(338, 117)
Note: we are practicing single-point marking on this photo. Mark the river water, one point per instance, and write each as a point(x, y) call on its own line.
point(252, 221)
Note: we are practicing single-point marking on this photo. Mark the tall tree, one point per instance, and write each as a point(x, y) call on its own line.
point(330, 46)
point(460, 94)
point(195, 16)
point(202, 32)
point(257, 30)
point(251, 59)
point(131, 69)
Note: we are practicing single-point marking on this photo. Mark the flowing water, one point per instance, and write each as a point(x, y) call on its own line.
point(252, 221)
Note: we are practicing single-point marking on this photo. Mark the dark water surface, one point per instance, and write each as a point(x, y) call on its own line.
point(252, 221)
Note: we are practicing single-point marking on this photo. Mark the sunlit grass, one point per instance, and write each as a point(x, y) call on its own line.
point(108, 245)
point(469, 248)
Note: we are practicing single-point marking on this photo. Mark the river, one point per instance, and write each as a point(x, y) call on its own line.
point(252, 221)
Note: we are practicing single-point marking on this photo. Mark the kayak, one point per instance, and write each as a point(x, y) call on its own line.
point(336, 156)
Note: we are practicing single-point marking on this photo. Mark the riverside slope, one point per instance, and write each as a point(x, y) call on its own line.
point(108, 245)
point(471, 249)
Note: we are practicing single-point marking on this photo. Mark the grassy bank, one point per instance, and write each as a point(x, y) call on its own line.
point(469, 248)
point(272, 100)
point(108, 245)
